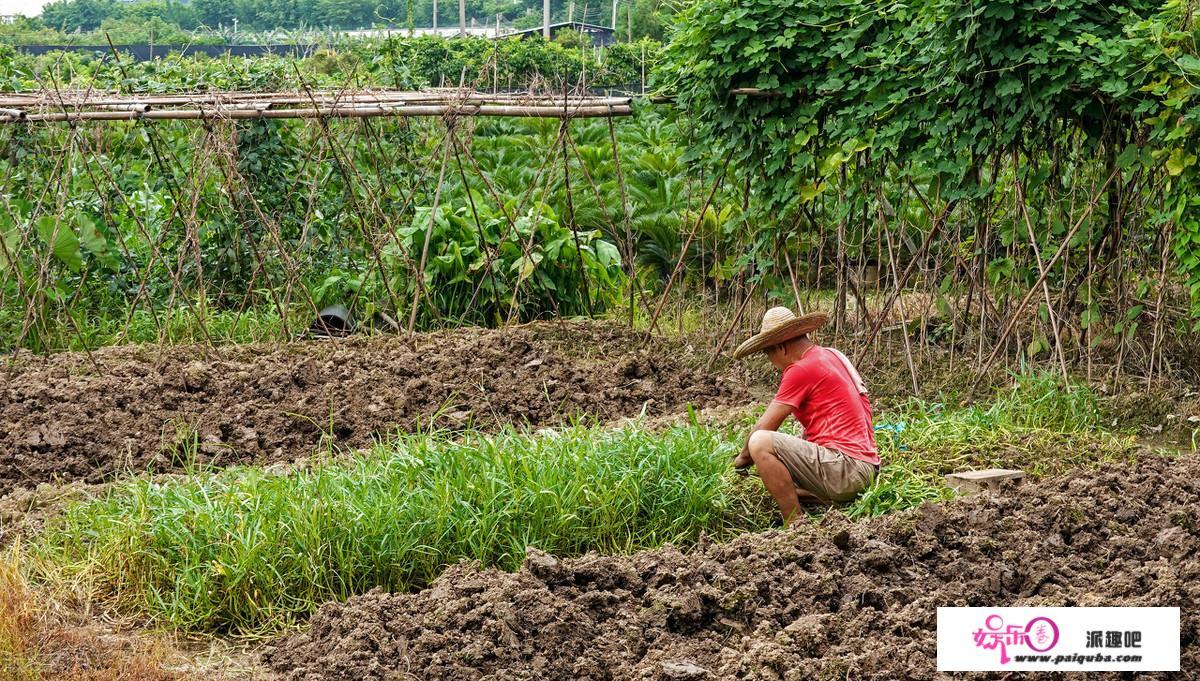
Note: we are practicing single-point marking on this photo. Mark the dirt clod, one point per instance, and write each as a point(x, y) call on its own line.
point(683, 671)
point(838, 600)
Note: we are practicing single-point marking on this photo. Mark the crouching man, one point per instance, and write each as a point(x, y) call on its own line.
point(837, 458)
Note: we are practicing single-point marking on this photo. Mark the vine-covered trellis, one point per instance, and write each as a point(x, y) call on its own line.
point(1037, 158)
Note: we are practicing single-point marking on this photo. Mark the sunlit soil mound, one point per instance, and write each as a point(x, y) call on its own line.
point(72, 416)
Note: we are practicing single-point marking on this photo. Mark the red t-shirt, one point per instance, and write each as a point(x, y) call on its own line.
point(825, 400)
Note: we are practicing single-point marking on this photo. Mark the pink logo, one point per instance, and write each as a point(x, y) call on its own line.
point(1039, 634)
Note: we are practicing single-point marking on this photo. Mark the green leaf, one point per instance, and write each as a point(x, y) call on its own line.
point(1189, 62)
point(1179, 160)
point(1035, 347)
point(94, 242)
point(8, 246)
point(607, 253)
point(811, 190)
point(62, 242)
point(1128, 156)
point(526, 268)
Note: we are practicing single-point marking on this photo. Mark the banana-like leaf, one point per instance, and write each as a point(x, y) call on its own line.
point(61, 240)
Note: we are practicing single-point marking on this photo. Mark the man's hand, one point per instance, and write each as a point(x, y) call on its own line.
point(771, 419)
point(743, 461)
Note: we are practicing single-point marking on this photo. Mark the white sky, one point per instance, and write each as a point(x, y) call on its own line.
point(27, 7)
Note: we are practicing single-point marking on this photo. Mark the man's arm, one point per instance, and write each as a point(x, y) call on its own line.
point(771, 419)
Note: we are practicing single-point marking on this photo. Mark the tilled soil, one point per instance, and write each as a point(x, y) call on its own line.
point(836, 601)
point(74, 416)
point(25, 510)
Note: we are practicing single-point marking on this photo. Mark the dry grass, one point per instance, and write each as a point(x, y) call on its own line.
point(18, 621)
point(39, 644)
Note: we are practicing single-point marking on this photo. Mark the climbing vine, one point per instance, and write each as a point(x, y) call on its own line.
point(1009, 146)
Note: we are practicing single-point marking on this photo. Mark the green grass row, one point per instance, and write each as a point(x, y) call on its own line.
point(249, 550)
point(245, 548)
point(197, 322)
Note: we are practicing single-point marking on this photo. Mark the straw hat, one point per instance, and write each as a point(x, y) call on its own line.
point(779, 325)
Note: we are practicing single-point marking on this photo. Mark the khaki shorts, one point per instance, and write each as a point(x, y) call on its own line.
point(820, 471)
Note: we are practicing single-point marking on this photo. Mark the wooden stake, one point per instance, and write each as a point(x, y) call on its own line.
point(688, 242)
point(729, 331)
point(420, 282)
point(912, 370)
point(1016, 313)
point(1042, 270)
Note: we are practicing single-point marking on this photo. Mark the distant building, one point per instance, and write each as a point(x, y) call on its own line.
point(9, 18)
point(600, 35)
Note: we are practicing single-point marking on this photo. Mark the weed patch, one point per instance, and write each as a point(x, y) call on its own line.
point(1037, 425)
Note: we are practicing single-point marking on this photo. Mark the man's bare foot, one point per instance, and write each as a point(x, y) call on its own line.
point(808, 498)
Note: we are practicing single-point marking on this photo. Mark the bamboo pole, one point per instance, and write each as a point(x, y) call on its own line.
point(330, 112)
point(737, 318)
point(347, 169)
point(908, 354)
point(487, 248)
point(1042, 269)
point(717, 182)
point(172, 188)
point(630, 249)
point(903, 280)
point(563, 136)
point(1157, 338)
point(437, 196)
point(435, 96)
point(509, 217)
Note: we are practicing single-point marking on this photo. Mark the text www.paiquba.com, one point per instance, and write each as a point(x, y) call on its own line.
point(1077, 659)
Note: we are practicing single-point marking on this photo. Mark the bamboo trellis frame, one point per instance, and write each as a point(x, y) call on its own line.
point(216, 146)
point(77, 105)
point(279, 271)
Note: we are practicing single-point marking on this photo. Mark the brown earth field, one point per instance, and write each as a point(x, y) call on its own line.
point(838, 600)
point(86, 417)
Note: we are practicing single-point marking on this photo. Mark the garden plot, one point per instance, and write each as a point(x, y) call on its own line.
point(76, 416)
point(254, 549)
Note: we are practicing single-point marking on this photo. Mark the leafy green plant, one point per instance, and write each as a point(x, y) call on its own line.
point(479, 272)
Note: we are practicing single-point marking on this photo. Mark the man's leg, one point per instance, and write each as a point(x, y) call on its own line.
point(775, 475)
